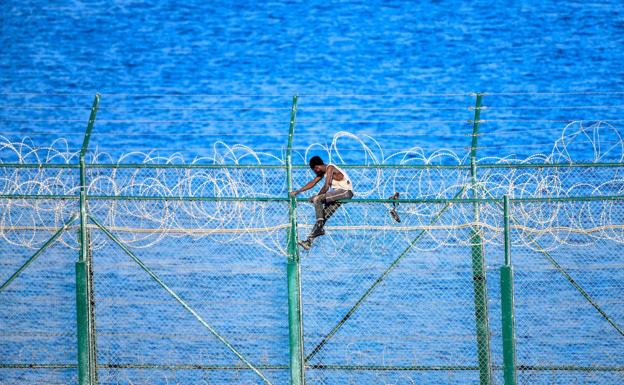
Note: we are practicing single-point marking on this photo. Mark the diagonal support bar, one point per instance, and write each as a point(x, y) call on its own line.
point(179, 299)
point(380, 279)
point(47, 244)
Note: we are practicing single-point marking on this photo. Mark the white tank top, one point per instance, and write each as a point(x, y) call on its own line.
point(344, 184)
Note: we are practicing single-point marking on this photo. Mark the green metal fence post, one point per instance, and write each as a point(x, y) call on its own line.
point(478, 263)
point(295, 311)
point(507, 306)
point(85, 316)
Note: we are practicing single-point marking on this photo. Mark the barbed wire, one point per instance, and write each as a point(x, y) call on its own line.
point(25, 222)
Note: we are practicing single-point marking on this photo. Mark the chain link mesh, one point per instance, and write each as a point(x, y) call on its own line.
point(416, 301)
point(233, 279)
point(569, 296)
point(37, 306)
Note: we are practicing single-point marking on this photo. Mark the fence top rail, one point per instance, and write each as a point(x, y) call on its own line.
point(301, 166)
point(285, 199)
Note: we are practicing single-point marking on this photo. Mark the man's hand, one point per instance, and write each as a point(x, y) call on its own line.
point(293, 193)
point(311, 199)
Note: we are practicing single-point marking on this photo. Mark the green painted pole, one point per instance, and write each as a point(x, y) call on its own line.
point(507, 307)
point(295, 311)
point(82, 310)
point(85, 316)
point(478, 264)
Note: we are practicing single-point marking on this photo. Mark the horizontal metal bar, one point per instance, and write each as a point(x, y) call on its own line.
point(548, 165)
point(572, 368)
point(38, 165)
point(141, 165)
point(146, 198)
point(188, 198)
point(567, 199)
point(396, 166)
point(189, 166)
point(394, 368)
point(189, 367)
point(38, 366)
point(423, 200)
point(250, 199)
point(35, 196)
point(485, 200)
point(278, 166)
point(302, 166)
point(282, 199)
point(539, 368)
point(466, 368)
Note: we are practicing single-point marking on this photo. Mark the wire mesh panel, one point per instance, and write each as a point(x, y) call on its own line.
point(202, 296)
point(37, 299)
point(568, 292)
point(388, 302)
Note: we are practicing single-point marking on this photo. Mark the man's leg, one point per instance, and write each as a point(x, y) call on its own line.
point(330, 209)
point(332, 204)
point(317, 230)
point(319, 209)
point(325, 206)
point(319, 205)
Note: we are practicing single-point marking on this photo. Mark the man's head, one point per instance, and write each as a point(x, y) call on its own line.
point(317, 165)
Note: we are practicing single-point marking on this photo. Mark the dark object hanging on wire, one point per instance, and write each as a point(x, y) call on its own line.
point(393, 212)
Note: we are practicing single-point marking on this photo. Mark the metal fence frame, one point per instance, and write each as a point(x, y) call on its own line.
point(87, 331)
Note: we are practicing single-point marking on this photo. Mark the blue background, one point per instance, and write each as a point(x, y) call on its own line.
point(315, 49)
point(311, 46)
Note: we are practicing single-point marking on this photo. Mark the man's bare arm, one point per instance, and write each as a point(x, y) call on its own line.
point(329, 176)
point(308, 186)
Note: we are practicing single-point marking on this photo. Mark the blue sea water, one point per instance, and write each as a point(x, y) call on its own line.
point(315, 49)
point(177, 77)
point(311, 47)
